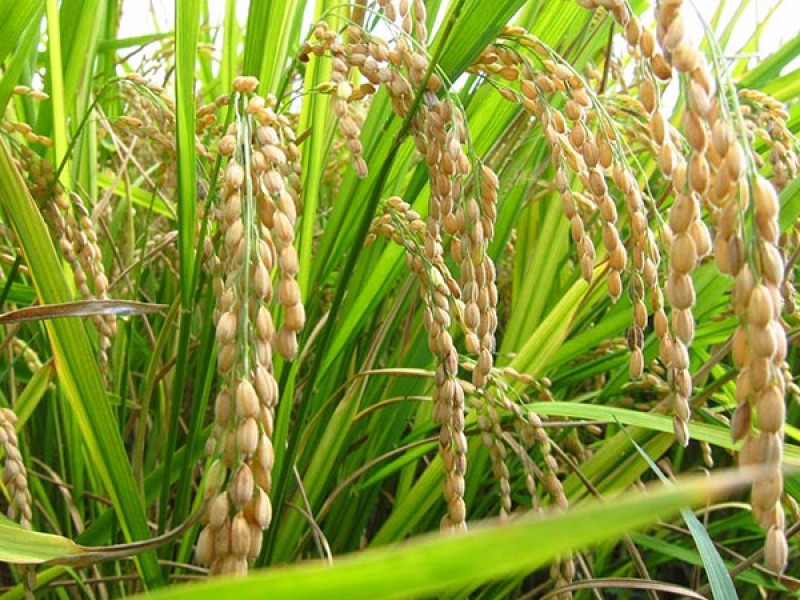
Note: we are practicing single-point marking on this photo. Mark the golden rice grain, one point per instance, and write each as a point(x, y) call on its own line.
point(768, 491)
point(286, 343)
point(242, 486)
point(227, 145)
point(701, 238)
point(680, 290)
point(223, 406)
point(683, 254)
point(204, 552)
point(633, 31)
point(674, 34)
point(735, 161)
point(661, 68)
point(740, 348)
point(226, 328)
point(295, 316)
point(247, 437)
point(647, 43)
point(240, 536)
point(685, 57)
point(772, 269)
point(759, 373)
point(762, 341)
point(219, 511)
point(245, 84)
point(234, 175)
point(667, 159)
point(265, 386)
point(771, 409)
point(683, 325)
point(760, 308)
point(246, 399)
point(735, 254)
point(636, 364)
point(226, 357)
point(770, 452)
point(699, 173)
point(776, 550)
point(740, 423)
point(648, 94)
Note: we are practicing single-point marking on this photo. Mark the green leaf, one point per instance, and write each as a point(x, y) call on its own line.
point(187, 25)
point(718, 576)
point(25, 39)
point(713, 434)
point(769, 69)
point(435, 564)
point(17, 16)
point(32, 394)
point(476, 23)
point(23, 547)
point(146, 200)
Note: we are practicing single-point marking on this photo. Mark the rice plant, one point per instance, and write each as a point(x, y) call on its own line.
point(397, 298)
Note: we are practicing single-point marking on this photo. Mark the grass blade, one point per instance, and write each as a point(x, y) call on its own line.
point(187, 25)
point(435, 564)
point(721, 583)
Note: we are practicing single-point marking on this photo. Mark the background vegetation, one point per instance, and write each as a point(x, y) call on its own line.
point(429, 263)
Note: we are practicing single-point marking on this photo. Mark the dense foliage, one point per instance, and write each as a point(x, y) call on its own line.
point(293, 280)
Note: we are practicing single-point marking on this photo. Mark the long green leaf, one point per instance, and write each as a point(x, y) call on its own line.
point(187, 25)
point(716, 435)
point(58, 114)
point(435, 564)
point(718, 576)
